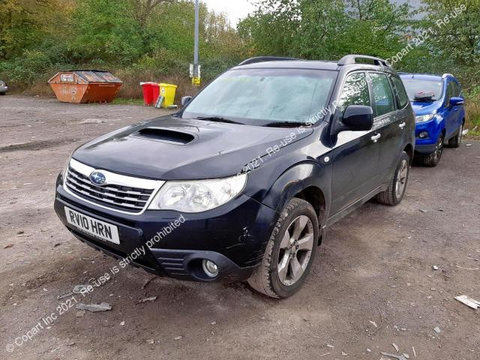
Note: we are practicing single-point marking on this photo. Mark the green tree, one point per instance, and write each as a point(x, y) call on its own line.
point(457, 29)
point(272, 28)
point(25, 24)
point(104, 29)
point(327, 29)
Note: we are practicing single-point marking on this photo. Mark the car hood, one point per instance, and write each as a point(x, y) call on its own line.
point(170, 148)
point(425, 108)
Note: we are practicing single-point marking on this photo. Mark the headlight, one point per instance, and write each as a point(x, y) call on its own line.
point(424, 118)
point(65, 167)
point(199, 195)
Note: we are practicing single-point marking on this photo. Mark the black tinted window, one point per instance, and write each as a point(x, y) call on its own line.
point(458, 89)
point(355, 91)
point(450, 91)
point(382, 94)
point(400, 92)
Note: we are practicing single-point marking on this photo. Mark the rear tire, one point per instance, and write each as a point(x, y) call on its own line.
point(457, 140)
point(432, 160)
point(290, 252)
point(398, 185)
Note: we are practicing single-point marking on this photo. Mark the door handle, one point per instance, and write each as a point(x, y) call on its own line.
point(402, 125)
point(375, 138)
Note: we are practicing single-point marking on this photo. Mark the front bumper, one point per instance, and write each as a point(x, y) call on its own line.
point(233, 236)
point(427, 145)
point(425, 148)
point(3, 89)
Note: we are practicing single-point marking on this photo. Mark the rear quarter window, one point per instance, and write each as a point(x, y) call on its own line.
point(400, 92)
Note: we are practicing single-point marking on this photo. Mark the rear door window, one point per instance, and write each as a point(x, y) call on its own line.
point(383, 100)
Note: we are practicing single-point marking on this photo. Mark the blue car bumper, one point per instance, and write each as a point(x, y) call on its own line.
point(427, 144)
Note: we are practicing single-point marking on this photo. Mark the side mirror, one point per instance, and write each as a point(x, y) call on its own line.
point(357, 118)
point(186, 100)
point(454, 101)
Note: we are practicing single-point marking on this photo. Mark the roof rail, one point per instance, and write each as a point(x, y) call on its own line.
point(259, 59)
point(352, 59)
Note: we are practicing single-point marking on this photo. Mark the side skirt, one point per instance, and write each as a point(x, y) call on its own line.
point(341, 214)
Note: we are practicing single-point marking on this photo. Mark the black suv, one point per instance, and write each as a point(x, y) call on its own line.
point(244, 180)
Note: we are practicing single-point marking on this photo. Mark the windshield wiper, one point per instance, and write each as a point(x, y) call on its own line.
point(218, 119)
point(286, 124)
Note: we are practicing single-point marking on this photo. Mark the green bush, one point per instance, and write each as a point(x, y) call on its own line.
point(27, 68)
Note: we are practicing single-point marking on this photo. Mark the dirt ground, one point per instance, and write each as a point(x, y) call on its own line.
point(373, 283)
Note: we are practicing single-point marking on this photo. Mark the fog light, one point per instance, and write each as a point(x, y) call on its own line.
point(423, 135)
point(210, 268)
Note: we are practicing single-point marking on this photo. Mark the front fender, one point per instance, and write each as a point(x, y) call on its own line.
point(296, 179)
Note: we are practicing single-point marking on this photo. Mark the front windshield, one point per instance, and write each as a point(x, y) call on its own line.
point(415, 86)
point(265, 96)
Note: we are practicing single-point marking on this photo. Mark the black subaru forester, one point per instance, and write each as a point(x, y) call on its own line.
point(242, 183)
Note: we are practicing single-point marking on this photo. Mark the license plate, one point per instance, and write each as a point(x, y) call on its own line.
point(93, 227)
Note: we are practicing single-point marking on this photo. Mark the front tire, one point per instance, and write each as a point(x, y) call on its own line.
point(457, 140)
point(289, 253)
point(398, 185)
point(433, 159)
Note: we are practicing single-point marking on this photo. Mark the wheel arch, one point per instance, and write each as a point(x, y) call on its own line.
point(307, 181)
point(315, 196)
point(410, 151)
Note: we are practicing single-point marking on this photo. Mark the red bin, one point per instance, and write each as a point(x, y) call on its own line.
point(155, 92)
point(151, 91)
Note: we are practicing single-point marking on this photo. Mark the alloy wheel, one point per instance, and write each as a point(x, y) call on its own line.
point(460, 134)
point(438, 149)
point(402, 178)
point(295, 250)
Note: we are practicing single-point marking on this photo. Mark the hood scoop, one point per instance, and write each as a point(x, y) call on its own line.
point(171, 136)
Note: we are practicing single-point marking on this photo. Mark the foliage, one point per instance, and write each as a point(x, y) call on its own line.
point(457, 29)
point(102, 29)
point(151, 38)
point(326, 29)
point(143, 40)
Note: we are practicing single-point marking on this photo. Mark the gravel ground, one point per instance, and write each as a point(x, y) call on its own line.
point(373, 283)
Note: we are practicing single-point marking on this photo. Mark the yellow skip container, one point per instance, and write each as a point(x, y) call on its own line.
point(168, 91)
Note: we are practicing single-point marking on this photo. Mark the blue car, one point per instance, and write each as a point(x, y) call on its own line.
point(438, 103)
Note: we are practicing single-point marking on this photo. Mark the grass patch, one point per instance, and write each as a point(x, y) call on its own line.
point(123, 101)
point(473, 116)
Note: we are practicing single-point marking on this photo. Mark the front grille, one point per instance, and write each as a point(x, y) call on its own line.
point(119, 197)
